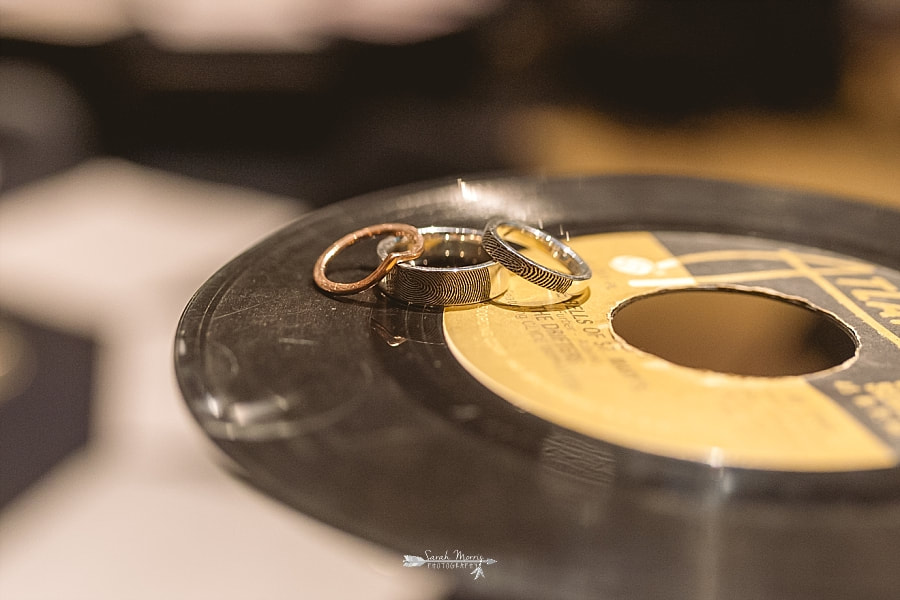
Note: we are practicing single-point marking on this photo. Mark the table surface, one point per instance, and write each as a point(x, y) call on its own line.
point(148, 509)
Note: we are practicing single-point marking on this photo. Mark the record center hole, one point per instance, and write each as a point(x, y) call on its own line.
point(737, 331)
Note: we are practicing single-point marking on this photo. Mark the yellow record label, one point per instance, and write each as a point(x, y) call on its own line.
point(564, 364)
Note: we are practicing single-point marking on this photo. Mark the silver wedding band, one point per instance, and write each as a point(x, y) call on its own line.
point(453, 269)
point(499, 238)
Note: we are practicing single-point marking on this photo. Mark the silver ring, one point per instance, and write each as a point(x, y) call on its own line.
point(499, 237)
point(453, 270)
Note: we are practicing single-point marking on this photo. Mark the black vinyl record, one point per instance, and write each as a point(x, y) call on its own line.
point(362, 412)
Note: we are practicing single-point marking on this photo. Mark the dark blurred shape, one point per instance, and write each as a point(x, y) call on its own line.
point(668, 60)
point(46, 382)
point(45, 125)
point(355, 116)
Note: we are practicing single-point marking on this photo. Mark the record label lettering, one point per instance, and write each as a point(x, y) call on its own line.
point(564, 363)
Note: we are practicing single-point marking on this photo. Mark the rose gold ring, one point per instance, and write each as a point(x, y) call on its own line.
point(415, 249)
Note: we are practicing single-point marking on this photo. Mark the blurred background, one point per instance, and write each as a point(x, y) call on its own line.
point(143, 143)
point(322, 100)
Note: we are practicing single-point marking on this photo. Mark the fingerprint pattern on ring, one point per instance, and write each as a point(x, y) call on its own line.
point(439, 287)
point(524, 269)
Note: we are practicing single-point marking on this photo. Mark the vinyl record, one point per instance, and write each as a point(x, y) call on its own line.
point(581, 457)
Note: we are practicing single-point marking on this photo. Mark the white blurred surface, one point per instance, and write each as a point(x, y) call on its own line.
point(244, 25)
point(146, 511)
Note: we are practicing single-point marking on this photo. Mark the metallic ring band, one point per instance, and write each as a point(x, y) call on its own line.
point(414, 249)
point(453, 270)
point(498, 235)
